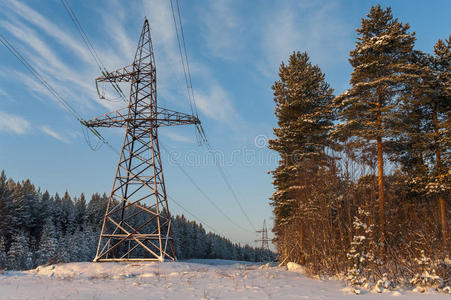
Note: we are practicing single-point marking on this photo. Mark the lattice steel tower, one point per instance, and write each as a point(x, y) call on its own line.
point(264, 237)
point(137, 222)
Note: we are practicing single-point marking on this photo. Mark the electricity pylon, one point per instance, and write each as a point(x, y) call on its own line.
point(264, 237)
point(137, 222)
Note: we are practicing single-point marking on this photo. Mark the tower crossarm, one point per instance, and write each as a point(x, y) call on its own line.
point(124, 74)
point(167, 117)
point(117, 118)
point(164, 117)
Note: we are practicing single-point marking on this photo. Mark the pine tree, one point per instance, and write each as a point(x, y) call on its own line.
point(360, 256)
point(28, 200)
point(423, 148)
point(48, 248)
point(434, 99)
point(45, 206)
point(6, 199)
point(80, 211)
point(3, 257)
point(56, 211)
point(96, 209)
point(303, 108)
point(18, 252)
point(382, 67)
point(201, 242)
point(78, 249)
point(68, 214)
point(442, 128)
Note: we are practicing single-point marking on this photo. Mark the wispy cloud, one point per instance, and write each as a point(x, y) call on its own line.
point(212, 99)
point(34, 33)
point(215, 103)
point(30, 82)
point(3, 93)
point(45, 60)
point(169, 68)
point(13, 123)
point(50, 132)
point(70, 78)
point(221, 29)
point(32, 16)
point(311, 26)
point(115, 19)
point(177, 137)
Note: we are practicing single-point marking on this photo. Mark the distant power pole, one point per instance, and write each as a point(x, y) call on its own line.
point(137, 222)
point(264, 237)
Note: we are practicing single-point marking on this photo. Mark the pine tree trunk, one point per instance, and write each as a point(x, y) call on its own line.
point(347, 198)
point(380, 171)
point(285, 246)
point(441, 200)
point(301, 244)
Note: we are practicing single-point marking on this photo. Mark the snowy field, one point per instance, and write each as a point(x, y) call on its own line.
point(194, 279)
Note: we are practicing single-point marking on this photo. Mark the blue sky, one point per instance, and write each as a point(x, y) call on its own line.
point(234, 47)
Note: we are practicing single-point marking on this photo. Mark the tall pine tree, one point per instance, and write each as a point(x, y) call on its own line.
point(6, 199)
point(382, 67)
point(303, 108)
point(441, 119)
point(433, 99)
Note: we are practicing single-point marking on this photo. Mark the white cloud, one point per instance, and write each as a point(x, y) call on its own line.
point(215, 104)
point(50, 132)
point(13, 123)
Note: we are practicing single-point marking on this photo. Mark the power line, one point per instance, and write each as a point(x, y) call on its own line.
point(82, 33)
point(182, 58)
point(186, 57)
point(192, 215)
point(189, 86)
point(58, 97)
point(229, 186)
point(97, 146)
point(192, 101)
point(205, 224)
point(36, 74)
point(92, 50)
point(200, 135)
point(193, 182)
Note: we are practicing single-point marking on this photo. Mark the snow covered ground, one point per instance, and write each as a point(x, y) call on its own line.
point(194, 279)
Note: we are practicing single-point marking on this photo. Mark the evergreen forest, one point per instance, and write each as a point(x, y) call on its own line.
point(37, 228)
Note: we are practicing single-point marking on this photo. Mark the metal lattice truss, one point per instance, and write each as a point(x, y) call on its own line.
point(137, 222)
point(164, 117)
point(264, 237)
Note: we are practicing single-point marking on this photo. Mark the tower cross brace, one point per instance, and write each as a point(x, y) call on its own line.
point(137, 222)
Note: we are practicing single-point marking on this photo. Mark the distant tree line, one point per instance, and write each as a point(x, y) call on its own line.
point(363, 183)
point(38, 228)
